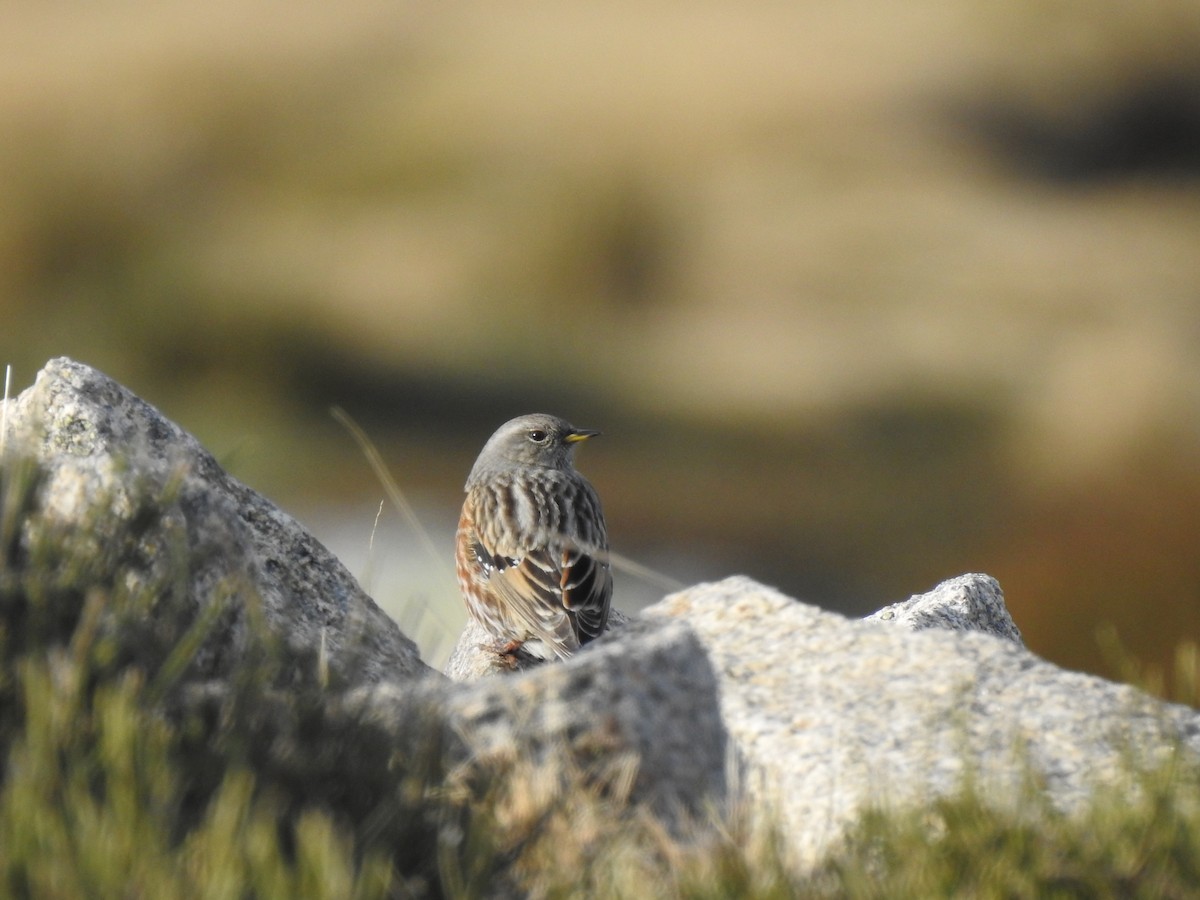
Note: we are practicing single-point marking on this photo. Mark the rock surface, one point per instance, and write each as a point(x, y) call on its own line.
point(475, 655)
point(822, 716)
point(828, 715)
point(966, 603)
point(646, 702)
point(104, 449)
point(729, 694)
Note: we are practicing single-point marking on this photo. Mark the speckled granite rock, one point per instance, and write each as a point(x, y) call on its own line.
point(969, 603)
point(966, 603)
point(827, 715)
point(475, 656)
point(647, 702)
point(104, 450)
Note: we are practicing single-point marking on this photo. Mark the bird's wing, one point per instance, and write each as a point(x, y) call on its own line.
point(532, 592)
point(552, 575)
point(586, 583)
point(561, 593)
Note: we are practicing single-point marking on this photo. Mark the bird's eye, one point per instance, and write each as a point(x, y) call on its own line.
point(538, 436)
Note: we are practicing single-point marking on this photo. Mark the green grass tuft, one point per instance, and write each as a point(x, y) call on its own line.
point(1139, 842)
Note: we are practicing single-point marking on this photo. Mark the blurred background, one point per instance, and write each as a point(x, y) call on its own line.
point(863, 295)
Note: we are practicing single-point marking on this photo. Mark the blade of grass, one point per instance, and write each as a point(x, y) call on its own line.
point(4, 408)
point(389, 485)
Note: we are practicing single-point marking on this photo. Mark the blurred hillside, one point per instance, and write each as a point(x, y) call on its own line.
point(863, 295)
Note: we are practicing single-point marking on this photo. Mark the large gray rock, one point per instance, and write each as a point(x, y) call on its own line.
point(823, 716)
point(105, 452)
point(966, 603)
point(829, 715)
point(477, 654)
point(642, 710)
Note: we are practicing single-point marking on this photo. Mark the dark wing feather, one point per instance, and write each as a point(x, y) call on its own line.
point(531, 593)
point(586, 591)
point(553, 578)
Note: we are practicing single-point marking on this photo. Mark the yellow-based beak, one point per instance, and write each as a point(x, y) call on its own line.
point(581, 434)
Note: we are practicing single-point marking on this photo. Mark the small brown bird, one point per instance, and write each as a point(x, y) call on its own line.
point(532, 550)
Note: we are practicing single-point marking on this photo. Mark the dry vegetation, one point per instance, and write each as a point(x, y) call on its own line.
point(931, 266)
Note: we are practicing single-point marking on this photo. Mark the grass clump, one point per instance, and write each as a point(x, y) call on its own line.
point(1143, 841)
point(126, 772)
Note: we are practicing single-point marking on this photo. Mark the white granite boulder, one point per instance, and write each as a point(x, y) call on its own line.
point(105, 452)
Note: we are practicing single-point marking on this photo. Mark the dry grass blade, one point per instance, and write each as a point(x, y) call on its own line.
point(645, 573)
point(4, 408)
point(389, 484)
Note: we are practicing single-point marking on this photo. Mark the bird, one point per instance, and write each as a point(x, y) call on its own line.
point(531, 549)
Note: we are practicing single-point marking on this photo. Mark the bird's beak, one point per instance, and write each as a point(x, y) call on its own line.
point(580, 434)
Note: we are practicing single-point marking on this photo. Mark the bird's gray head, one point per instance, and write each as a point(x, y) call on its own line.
point(537, 440)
